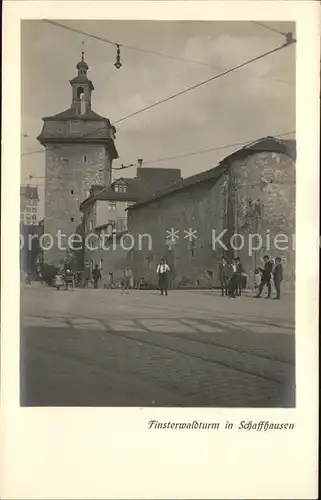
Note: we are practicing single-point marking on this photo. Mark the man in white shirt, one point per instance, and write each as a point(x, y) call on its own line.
point(162, 270)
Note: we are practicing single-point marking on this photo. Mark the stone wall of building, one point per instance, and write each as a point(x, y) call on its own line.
point(257, 195)
point(111, 260)
point(70, 171)
point(192, 263)
point(262, 194)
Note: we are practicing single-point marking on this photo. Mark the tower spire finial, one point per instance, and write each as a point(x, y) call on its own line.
point(83, 51)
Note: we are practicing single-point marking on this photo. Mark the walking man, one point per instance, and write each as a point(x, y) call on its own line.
point(96, 276)
point(266, 277)
point(162, 270)
point(224, 275)
point(278, 276)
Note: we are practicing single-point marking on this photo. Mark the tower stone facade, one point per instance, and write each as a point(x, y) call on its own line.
point(79, 152)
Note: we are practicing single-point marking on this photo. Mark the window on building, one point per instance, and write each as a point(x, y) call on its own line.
point(112, 206)
point(71, 191)
point(101, 264)
point(72, 219)
point(34, 217)
point(29, 209)
point(121, 224)
point(120, 187)
point(34, 210)
point(80, 91)
point(84, 158)
point(75, 126)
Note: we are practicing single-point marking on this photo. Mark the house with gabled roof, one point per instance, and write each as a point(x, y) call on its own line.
point(105, 216)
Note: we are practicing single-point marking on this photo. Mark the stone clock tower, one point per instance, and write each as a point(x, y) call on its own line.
point(79, 153)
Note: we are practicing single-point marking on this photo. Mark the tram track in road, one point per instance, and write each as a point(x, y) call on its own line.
point(239, 360)
point(205, 358)
point(228, 327)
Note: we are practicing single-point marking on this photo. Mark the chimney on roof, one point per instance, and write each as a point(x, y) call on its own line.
point(95, 188)
point(140, 162)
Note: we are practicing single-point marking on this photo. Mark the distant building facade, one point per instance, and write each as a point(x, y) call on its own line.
point(80, 149)
point(29, 205)
point(251, 192)
point(105, 218)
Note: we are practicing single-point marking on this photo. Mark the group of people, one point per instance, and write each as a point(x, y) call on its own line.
point(65, 277)
point(232, 277)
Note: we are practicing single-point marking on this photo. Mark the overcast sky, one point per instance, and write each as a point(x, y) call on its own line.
point(247, 104)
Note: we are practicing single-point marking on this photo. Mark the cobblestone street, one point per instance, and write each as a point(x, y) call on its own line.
point(192, 348)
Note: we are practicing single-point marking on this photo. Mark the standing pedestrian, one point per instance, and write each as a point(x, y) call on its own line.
point(278, 276)
point(86, 276)
point(28, 279)
point(69, 277)
point(233, 281)
point(266, 272)
point(224, 275)
point(238, 276)
point(110, 280)
point(126, 280)
point(162, 271)
point(96, 275)
point(59, 280)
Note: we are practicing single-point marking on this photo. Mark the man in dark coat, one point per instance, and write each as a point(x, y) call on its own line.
point(68, 275)
point(266, 272)
point(96, 275)
point(224, 275)
point(238, 276)
point(278, 277)
point(233, 281)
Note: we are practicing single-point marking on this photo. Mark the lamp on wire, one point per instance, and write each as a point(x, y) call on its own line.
point(118, 64)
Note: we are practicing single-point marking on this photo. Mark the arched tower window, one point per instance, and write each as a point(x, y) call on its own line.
point(80, 92)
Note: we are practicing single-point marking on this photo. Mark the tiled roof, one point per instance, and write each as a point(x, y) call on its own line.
point(272, 144)
point(72, 113)
point(133, 193)
point(212, 174)
point(30, 192)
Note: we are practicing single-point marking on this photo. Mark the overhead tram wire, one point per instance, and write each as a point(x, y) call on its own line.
point(194, 153)
point(274, 30)
point(177, 94)
point(204, 82)
point(130, 47)
point(151, 52)
point(216, 148)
